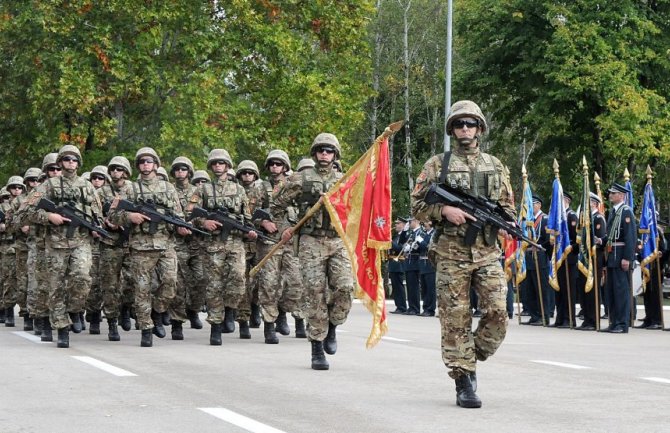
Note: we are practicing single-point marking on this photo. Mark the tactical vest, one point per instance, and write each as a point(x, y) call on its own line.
point(161, 197)
point(313, 184)
point(78, 194)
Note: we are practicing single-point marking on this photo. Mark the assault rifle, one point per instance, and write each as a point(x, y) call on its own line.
point(77, 218)
point(485, 212)
point(149, 208)
point(229, 222)
point(2, 217)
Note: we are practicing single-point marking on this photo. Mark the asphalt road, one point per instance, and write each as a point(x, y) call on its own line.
point(550, 380)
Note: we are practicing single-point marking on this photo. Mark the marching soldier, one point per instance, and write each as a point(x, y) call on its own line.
point(620, 250)
point(5, 246)
point(326, 270)
point(225, 264)
point(150, 252)
point(460, 266)
point(68, 258)
point(11, 292)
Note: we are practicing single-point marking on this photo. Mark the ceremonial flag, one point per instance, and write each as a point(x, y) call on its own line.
point(649, 231)
point(359, 205)
point(526, 223)
point(557, 227)
point(629, 195)
point(586, 252)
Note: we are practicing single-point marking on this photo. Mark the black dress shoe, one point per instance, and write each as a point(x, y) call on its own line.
point(644, 325)
point(655, 326)
point(524, 313)
point(477, 313)
point(618, 330)
point(410, 313)
point(427, 314)
point(586, 327)
point(398, 311)
point(531, 322)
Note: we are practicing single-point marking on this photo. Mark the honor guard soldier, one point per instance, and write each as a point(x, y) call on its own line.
point(566, 297)
point(598, 240)
point(535, 288)
point(460, 266)
point(396, 268)
point(620, 251)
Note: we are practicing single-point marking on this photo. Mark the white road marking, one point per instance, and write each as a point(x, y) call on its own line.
point(396, 339)
point(560, 364)
point(31, 337)
point(116, 371)
point(239, 420)
point(656, 379)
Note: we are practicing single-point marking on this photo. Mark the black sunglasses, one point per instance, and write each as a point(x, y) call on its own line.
point(458, 124)
point(275, 164)
point(115, 168)
point(328, 150)
point(69, 159)
point(54, 168)
point(146, 161)
point(97, 178)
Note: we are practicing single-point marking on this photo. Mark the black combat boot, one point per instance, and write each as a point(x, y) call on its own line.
point(2, 315)
point(38, 324)
point(228, 321)
point(330, 343)
point(193, 317)
point(177, 330)
point(28, 323)
point(281, 325)
point(9, 317)
point(473, 381)
point(82, 321)
point(47, 334)
point(125, 318)
point(95, 323)
point(318, 357)
point(158, 329)
point(113, 334)
point(63, 338)
point(245, 333)
point(270, 334)
point(465, 395)
point(165, 318)
point(300, 328)
point(76, 323)
point(256, 320)
point(147, 338)
point(215, 334)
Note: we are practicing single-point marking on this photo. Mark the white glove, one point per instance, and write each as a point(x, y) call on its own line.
point(407, 248)
point(419, 239)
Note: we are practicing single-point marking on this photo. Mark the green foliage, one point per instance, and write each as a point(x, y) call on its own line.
point(180, 76)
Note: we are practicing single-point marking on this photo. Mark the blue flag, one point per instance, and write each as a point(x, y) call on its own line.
point(557, 227)
point(526, 223)
point(629, 196)
point(649, 232)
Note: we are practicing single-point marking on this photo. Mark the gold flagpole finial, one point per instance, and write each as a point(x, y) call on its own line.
point(650, 174)
point(626, 174)
point(584, 164)
point(524, 172)
point(556, 173)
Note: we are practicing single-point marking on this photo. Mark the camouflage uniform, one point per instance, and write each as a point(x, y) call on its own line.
point(326, 270)
point(21, 247)
point(68, 260)
point(460, 267)
point(225, 260)
point(150, 252)
point(7, 266)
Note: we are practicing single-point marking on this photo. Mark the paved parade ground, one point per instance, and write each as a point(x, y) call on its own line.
point(549, 380)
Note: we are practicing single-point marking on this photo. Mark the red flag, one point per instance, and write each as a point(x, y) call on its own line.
point(359, 205)
point(510, 246)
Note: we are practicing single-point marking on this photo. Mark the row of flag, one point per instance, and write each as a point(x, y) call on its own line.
point(557, 227)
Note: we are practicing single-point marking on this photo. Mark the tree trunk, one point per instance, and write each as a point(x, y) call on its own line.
point(375, 76)
point(408, 141)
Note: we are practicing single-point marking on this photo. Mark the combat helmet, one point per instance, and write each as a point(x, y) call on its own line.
point(326, 139)
point(4, 193)
point(163, 173)
point(147, 151)
point(247, 165)
point(200, 175)
point(120, 161)
point(219, 155)
point(465, 109)
point(306, 163)
point(69, 149)
point(101, 170)
point(49, 159)
point(15, 180)
point(182, 160)
point(86, 176)
point(32, 172)
point(279, 155)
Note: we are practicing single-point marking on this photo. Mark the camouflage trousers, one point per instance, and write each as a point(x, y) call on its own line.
point(461, 348)
point(190, 290)
point(327, 281)
point(109, 274)
point(279, 283)
point(69, 281)
point(22, 279)
point(224, 267)
point(95, 295)
point(251, 283)
point(9, 295)
point(144, 267)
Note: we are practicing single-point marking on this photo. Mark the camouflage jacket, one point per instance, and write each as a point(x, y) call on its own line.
point(474, 172)
point(106, 194)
